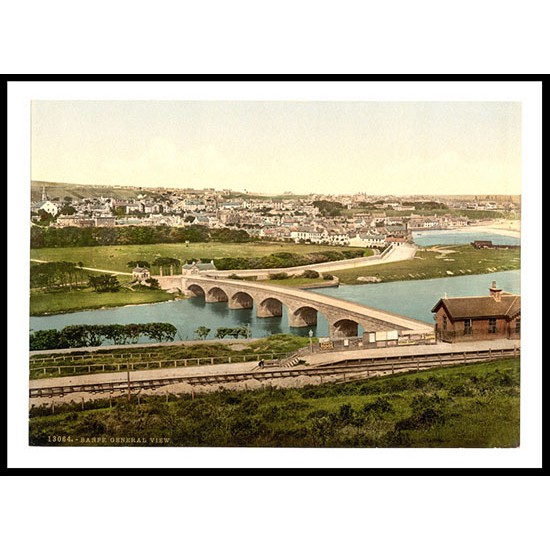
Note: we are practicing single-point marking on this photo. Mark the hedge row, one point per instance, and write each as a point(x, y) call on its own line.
point(62, 237)
point(77, 336)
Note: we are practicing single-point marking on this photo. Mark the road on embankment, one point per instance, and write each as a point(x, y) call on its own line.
point(395, 254)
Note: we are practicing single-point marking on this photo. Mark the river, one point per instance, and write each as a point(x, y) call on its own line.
point(448, 236)
point(411, 298)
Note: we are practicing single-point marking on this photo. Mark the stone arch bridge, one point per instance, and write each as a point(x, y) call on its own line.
point(343, 317)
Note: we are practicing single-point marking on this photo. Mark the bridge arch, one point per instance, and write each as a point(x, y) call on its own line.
point(196, 290)
point(270, 307)
point(304, 316)
point(241, 300)
point(216, 294)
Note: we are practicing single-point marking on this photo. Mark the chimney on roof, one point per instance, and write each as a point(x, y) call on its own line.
point(495, 292)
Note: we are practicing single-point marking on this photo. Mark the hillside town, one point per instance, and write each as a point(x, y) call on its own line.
point(357, 220)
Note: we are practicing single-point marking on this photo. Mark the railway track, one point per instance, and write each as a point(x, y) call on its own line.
point(348, 370)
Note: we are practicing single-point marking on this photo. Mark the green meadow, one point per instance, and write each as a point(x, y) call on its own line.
point(436, 262)
point(473, 406)
point(117, 257)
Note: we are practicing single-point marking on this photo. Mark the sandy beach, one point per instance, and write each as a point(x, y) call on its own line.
point(509, 228)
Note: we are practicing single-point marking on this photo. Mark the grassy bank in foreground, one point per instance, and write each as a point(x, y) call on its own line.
point(233, 350)
point(117, 257)
point(465, 406)
point(436, 262)
point(43, 303)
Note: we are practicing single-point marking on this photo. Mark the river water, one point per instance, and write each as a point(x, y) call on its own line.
point(448, 236)
point(411, 298)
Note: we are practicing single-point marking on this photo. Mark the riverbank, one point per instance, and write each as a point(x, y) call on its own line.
point(436, 262)
point(48, 303)
point(507, 228)
point(510, 228)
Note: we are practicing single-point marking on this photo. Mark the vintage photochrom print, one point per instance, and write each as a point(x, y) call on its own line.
point(275, 273)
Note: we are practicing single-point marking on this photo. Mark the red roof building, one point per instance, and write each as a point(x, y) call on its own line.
point(469, 318)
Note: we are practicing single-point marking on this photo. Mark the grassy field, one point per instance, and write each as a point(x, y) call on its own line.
point(116, 257)
point(475, 406)
point(76, 191)
point(42, 303)
point(474, 215)
point(431, 263)
point(235, 350)
point(298, 282)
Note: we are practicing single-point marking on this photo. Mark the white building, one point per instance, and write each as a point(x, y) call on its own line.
point(368, 240)
point(47, 206)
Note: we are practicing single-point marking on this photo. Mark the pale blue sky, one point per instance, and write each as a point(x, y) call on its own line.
point(272, 147)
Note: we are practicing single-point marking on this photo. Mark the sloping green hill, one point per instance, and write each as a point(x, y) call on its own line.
point(78, 191)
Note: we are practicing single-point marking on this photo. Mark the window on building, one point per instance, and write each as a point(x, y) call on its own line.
point(467, 326)
point(518, 326)
point(444, 322)
point(492, 326)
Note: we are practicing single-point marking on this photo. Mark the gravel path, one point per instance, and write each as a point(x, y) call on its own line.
point(91, 269)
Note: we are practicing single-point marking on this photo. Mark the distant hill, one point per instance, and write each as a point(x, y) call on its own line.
point(257, 196)
point(78, 191)
point(510, 198)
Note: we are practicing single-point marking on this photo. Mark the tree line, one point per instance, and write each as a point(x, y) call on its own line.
point(279, 259)
point(329, 208)
point(62, 237)
point(77, 336)
point(57, 275)
point(104, 283)
point(287, 259)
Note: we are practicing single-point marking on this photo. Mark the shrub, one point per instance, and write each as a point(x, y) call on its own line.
point(249, 407)
point(380, 406)
point(428, 417)
point(278, 276)
point(345, 413)
point(202, 332)
point(104, 283)
point(310, 274)
point(428, 410)
point(295, 406)
point(461, 390)
point(45, 339)
point(318, 413)
point(152, 283)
